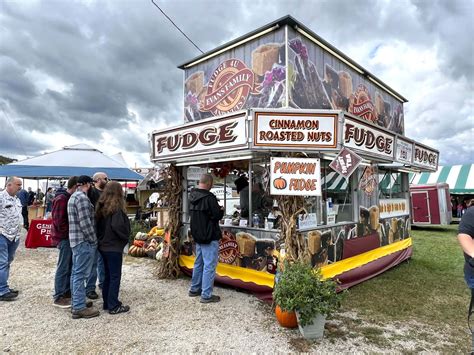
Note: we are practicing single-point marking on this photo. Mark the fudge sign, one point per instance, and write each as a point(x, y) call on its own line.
point(215, 135)
point(306, 130)
point(361, 136)
point(425, 157)
point(295, 176)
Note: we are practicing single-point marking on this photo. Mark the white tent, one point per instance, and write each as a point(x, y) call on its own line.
point(75, 160)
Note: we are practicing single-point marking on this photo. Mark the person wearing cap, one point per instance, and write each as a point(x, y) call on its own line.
point(83, 242)
point(98, 269)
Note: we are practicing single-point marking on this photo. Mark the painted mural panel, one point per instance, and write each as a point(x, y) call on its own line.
point(250, 75)
point(319, 80)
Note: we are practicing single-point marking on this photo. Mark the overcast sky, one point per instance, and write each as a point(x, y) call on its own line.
point(105, 72)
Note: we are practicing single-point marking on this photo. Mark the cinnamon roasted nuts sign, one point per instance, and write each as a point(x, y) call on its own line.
point(295, 176)
point(367, 138)
point(306, 130)
point(221, 134)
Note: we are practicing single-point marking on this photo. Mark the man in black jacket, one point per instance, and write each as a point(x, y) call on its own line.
point(205, 215)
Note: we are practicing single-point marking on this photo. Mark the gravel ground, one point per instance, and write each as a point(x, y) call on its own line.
point(162, 318)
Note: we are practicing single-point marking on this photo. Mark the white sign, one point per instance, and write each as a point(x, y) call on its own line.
point(306, 130)
point(393, 207)
point(308, 220)
point(426, 157)
point(194, 173)
point(364, 137)
point(404, 151)
point(201, 137)
point(219, 192)
point(295, 176)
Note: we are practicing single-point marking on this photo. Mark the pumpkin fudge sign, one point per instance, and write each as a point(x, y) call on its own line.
point(295, 176)
point(306, 130)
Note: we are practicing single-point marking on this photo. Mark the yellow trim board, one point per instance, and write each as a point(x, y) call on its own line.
point(260, 278)
point(328, 271)
point(331, 270)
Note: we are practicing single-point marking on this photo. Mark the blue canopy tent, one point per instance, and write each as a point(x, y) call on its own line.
point(75, 160)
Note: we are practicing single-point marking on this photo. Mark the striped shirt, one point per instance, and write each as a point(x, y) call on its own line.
point(81, 219)
point(11, 218)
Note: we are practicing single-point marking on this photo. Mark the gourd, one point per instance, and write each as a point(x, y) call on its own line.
point(139, 243)
point(136, 251)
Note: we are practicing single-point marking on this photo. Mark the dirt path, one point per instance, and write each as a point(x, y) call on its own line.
point(162, 319)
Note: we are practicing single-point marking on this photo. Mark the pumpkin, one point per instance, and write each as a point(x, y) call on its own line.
point(136, 251)
point(139, 243)
point(279, 183)
point(286, 319)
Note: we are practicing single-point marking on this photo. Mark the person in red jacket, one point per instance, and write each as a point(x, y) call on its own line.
point(60, 235)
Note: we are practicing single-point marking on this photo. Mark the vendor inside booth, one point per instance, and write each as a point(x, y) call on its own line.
point(287, 123)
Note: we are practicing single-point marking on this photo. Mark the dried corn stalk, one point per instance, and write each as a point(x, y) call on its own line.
point(172, 198)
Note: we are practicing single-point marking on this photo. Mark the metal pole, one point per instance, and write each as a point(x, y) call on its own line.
point(225, 194)
point(250, 194)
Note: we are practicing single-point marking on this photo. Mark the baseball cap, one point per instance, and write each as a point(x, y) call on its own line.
point(84, 179)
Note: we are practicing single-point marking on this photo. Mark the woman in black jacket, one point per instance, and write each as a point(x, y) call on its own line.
point(113, 229)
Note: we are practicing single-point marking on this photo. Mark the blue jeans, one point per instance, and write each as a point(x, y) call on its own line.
point(62, 279)
point(113, 275)
point(7, 253)
point(97, 270)
point(204, 269)
point(82, 260)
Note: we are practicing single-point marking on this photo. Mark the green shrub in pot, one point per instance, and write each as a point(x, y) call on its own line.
point(302, 289)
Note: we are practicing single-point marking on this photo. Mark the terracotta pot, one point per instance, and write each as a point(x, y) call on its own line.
point(286, 319)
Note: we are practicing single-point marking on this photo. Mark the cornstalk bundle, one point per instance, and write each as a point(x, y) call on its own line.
point(172, 199)
point(290, 207)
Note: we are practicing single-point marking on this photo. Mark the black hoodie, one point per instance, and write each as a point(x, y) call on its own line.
point(205, 215)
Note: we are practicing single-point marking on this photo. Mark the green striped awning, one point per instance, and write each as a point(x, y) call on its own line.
point(460, 178)
point(390, 182)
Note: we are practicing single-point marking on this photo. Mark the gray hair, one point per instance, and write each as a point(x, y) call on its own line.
point(97, 174)
point(12, 179)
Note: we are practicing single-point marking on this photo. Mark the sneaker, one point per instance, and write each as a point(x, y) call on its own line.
point(211, 299)
point(14, 291)
point(10, 296)
point(62, 302)
point(119, 309)
point(89, 304)
point(194, 293)
point(85, 313)
point(92, 295)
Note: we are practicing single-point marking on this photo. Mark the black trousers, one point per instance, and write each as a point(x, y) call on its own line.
point(24, 213)
point(113, 275)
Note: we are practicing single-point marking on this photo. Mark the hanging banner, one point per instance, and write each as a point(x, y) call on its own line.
point(346, 162)
point(404, 151)
point(215, 135)
point(295, 176)
point(425, 157)
point(305, 130)
point(367, 138)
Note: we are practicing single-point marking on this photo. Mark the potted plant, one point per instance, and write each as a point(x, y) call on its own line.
point(302, 289)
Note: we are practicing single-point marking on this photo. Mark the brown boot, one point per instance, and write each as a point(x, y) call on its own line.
point(85, 313)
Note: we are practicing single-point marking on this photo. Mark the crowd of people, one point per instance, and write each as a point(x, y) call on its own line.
point(90, 227)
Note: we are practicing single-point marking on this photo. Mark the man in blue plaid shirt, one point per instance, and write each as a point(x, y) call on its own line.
point(83, 241)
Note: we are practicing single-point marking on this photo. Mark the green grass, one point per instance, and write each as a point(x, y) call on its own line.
point(428, 289)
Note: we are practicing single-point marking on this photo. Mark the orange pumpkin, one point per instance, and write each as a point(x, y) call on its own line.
point(279, 183)
point(286, 319)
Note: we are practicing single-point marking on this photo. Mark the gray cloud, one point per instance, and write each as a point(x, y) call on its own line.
point(85, 68)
